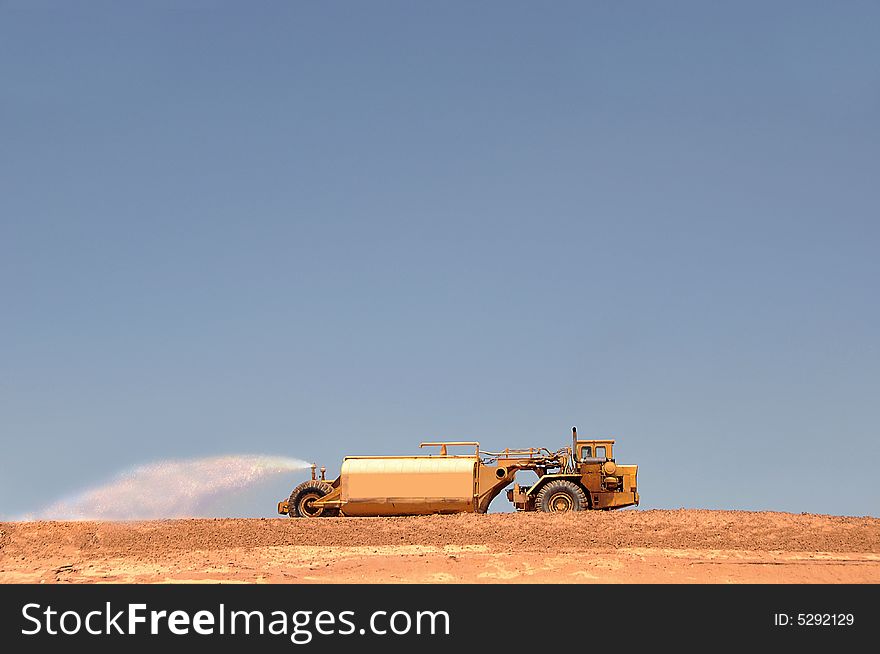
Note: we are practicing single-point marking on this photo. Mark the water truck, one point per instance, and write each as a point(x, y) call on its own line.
point(580, 477)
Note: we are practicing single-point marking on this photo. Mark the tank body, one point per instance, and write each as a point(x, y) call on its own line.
point(418, 485)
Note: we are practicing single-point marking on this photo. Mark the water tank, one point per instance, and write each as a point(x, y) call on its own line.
point(377, 486)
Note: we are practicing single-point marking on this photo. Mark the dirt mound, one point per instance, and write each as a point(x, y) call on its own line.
point(637, 546)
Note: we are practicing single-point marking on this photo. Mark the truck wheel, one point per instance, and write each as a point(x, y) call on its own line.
point(560, 495)
point(303, 496)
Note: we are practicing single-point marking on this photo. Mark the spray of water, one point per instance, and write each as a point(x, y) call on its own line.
point(168, 489)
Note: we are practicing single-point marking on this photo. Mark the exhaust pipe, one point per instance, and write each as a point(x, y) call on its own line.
point(574, 437)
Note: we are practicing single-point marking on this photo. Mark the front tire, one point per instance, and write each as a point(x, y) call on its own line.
point(561, 496)
point(302, 500)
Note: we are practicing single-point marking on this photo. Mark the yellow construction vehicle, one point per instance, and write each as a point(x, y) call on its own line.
point(576, 478)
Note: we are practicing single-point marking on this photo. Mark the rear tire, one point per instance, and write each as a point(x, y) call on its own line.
point(302, 498)
point(561, 496)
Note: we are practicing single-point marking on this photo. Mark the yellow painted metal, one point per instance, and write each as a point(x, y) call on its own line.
point(408, 485)
point(444, 483)
point(491, 480)
point(444, 444)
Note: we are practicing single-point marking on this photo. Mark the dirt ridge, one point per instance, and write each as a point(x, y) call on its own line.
point(385, 549)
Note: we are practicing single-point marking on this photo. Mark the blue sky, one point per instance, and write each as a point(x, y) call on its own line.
point(320, 229)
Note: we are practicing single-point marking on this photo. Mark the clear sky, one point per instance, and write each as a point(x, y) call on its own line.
point(316, 229)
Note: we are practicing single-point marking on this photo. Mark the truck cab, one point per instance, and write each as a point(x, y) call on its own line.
point(594, 451)
point(608, 484)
